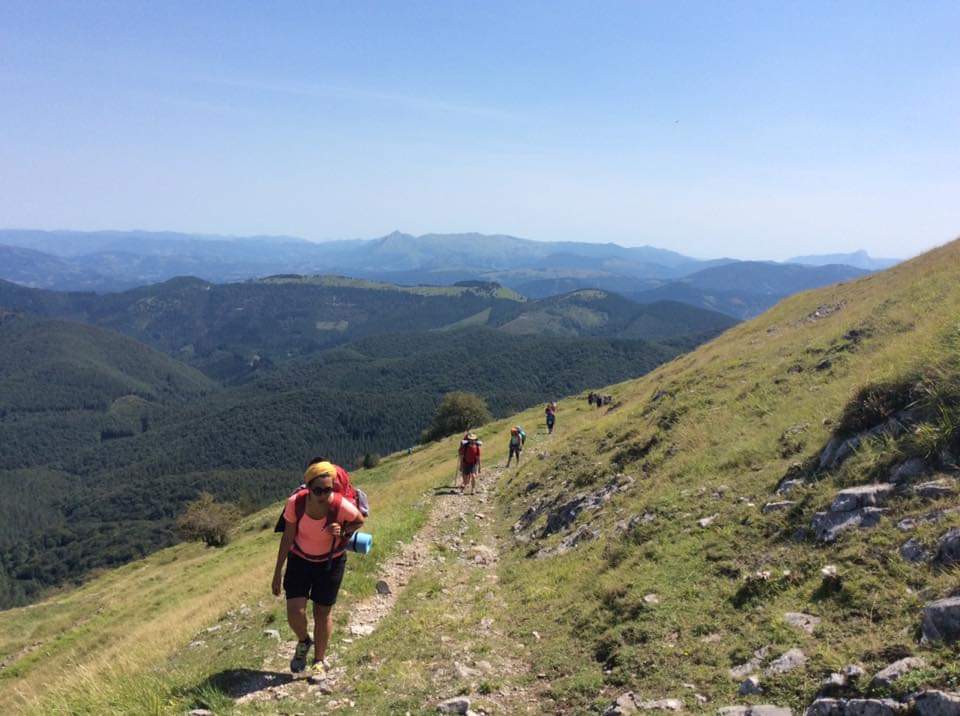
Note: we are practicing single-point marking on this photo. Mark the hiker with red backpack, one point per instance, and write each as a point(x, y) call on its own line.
point(470, 461)
point(318, 521)
point(551, 414)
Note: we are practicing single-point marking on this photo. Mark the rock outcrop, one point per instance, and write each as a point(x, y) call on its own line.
point(941, 620)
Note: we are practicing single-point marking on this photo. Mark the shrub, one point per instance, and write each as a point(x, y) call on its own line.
point(457, 412)
point(207, 520)
point(371, 460)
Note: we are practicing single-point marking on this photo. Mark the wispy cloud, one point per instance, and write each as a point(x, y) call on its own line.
point(322, 91)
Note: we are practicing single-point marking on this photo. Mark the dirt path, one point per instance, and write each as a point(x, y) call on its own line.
point(458, 524)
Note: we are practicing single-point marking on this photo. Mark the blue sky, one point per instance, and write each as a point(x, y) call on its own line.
point(755, 130)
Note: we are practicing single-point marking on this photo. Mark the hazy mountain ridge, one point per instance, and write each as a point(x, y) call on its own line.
point(115, 261)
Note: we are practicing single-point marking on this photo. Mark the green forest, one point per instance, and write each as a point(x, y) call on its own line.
point(103, 439)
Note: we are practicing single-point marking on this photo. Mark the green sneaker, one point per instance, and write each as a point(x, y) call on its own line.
point(299, 661)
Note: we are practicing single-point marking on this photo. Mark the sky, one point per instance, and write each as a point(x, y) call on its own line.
point(751, 130)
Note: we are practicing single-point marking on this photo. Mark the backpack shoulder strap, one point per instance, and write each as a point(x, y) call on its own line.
point(300, 504)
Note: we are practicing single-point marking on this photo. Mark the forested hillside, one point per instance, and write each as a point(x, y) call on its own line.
point(143, 433)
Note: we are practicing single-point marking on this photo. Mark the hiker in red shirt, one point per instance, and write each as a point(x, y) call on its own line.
point(470, 461)
point(317, 521)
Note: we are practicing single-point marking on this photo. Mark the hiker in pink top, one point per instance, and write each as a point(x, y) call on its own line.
point(317, 523)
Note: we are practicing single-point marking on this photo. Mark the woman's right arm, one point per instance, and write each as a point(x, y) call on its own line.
point(286, 542)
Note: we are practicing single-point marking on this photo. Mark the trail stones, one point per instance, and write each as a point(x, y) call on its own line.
point(804, 622)
point(707, 521)
point(913, 551)
point(937, 703)
point(948, 548)
point(827, 526)
point(483, 555)
point(777, 506)
point(788, 661)
point(889, 674)
point(272, 634)
point(361, 629)
point(383, 588)
point(941, 620)
point(863, 496)
point(750, 686)
point(456, 705)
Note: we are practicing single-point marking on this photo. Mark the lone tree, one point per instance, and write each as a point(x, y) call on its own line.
point(208, 520)
point(458, 411)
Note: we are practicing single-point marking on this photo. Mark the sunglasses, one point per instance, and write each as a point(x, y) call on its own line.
point(319, 490)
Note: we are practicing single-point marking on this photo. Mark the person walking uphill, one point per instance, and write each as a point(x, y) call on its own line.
point(551, 413)
point(318, 522)
point(470, 461)
point(517, 439)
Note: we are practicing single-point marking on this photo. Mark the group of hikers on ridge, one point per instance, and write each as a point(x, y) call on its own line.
point(469, 450)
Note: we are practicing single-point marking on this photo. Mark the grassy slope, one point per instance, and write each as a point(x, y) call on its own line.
point(729, 404)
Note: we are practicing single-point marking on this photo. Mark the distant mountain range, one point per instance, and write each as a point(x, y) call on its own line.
point(115, 261)
point(858, 259)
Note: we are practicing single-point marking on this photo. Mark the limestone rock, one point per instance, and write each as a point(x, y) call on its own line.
point(905, 471)
point(853, 498)
point(788, 486)
point(456, 705)
point(935, 489)
point(760, 710)
point(827, 526)
point(937, 703)
point(749, 686)
point(855, 707)
point(788, 661)
point(660, 705)
point(272, 634)
point(913, 551)
point(888, 675)
point(744, 670)
point(941, 620)
point(200, 712)
point(804, 622)
point(651, 599)
point(707, 521)
point(582, 534)
point(624, 705)
point(383, 587)
point(948, 548)
point(777, 506)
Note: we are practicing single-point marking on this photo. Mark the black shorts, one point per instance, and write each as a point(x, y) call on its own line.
point(515, 450)
point(319, 581)
point(470, 468)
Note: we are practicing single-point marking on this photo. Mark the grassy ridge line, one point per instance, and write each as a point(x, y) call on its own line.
point(730, 404)
point(130, 620)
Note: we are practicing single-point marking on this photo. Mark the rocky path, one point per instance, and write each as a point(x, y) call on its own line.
point(456, 526)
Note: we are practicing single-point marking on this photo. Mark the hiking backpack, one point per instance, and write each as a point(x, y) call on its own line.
point(471, 453)
point(341, 486)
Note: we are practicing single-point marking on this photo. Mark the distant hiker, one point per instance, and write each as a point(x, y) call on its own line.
point(470, 461)
point(551, 413)
point(590, 398)
point(317, 522)
point(517, 439)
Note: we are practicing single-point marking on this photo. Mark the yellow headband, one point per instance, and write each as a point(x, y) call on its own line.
point(319, 469)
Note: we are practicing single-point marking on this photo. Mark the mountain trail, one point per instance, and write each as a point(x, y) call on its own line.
point(456, 525)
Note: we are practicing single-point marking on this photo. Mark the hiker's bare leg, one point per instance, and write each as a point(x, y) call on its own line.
point(297, 617)
point(322, 628)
